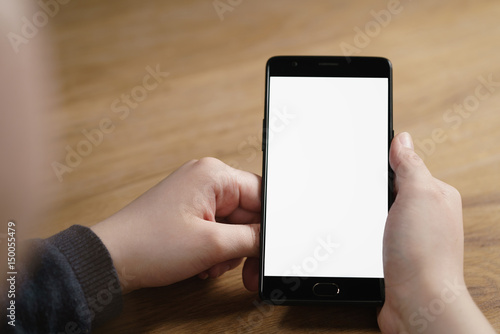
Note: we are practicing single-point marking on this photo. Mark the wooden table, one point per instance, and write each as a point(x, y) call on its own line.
point(211, 104)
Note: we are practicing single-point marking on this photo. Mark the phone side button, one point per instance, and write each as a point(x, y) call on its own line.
point(326, 289)
point(263, 135)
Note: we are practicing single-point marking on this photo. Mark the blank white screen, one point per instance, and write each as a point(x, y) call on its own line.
point(327, 176)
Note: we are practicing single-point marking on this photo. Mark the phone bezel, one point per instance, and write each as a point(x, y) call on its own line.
point(293, 290)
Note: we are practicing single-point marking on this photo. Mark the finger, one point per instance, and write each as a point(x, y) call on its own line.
point(241, 216)
point(220, 268)
point(249, 189)
point(407, 165)
point(250, 274)
point(236, 241)
point(222, 188)
point(237, 189)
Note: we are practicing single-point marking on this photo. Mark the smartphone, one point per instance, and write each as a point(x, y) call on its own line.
point(327, 185)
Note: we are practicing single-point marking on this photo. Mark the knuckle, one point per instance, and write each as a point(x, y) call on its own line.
point(450, 193)
point(442, 193)
point(411, 158)
point(208, 168)
point(207, 163)
point(408, 161)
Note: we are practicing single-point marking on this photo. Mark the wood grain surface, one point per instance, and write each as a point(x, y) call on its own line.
point(211, 104)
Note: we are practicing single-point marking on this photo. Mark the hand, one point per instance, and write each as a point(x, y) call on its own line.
point(423, 253)
point(202, 220)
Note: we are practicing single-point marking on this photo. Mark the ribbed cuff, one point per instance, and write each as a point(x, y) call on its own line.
point(93, 267)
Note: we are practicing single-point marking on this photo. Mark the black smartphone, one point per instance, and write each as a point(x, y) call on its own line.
point(327, 184)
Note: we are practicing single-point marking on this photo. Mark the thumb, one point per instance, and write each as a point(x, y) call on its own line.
point(238, 241)
point(235, 242)
point(407, 165)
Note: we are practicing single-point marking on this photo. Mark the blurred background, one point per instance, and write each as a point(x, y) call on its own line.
point(142, 87)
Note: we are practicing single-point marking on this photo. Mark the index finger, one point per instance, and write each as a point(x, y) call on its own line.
point(237, 189)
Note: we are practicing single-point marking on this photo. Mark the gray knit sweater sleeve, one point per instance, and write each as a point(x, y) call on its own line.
point(69, 285)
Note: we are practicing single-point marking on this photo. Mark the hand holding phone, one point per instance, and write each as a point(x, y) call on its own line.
point(424, 254)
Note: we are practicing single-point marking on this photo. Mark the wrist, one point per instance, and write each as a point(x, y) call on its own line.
point(114, 239)
point(441, 308)
point(435, 304)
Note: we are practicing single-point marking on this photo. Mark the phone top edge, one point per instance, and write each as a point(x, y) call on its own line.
point(329, 66)
point(333, 57)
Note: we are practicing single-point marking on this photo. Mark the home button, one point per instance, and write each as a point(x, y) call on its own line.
point(326, 289)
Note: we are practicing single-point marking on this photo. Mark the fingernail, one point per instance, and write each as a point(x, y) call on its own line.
point(405, 140)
